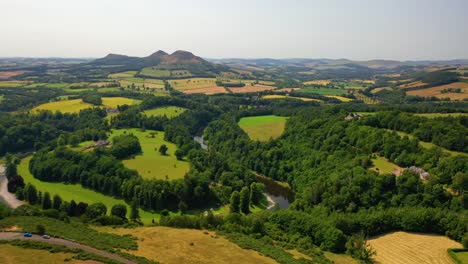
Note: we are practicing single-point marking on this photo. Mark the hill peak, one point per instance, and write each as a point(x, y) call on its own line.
point(159, 53)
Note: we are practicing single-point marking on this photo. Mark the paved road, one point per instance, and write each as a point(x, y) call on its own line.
point(66, 243)
point(8, 198)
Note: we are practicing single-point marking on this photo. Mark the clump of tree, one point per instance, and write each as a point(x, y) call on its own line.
point(94, 99)
point(125, 146)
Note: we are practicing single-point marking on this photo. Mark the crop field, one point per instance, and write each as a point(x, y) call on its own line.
point(140, 83)
point(207, 91)
point(13, 84)
point(123, 75)
point(9, 74)
point(263, 128)
point(151, 164)
point(318, 82)
point(10, 254)
point(409, 248)
point(251, 89)
point(116, 101)
point(169, 111)
point(174, 246)
point(379, 89)
point(324, 91)
point(382, 165)
point(75, 192)
point(76, 105)
point(154, 72)
point(341, 98)
point(340, 258)
point(437, 91)
point(412, 85)
point(365, 99)
point(462, 256)
point(192, 83)
point(277, 96)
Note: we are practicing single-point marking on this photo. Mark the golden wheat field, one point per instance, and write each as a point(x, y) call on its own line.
point(410, 248)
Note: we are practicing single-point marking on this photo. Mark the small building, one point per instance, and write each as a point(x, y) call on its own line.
point(112, 110)
point(353, 116)
point(423, 175)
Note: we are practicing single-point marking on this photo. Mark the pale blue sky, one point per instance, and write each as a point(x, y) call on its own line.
point(354, 29)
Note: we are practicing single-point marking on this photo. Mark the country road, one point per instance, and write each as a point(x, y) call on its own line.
point(66, 243)
point(8, 198)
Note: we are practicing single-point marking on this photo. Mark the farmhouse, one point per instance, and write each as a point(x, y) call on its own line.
point(423, 175)
point(110, 110)
point(353, 116)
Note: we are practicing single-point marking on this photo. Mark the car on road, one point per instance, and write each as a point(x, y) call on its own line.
point(27, 234)
point(46, 237)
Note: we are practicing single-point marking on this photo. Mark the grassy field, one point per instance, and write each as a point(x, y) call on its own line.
point(340, 258)
point(127, 74)
point(192, 83)
point(174, 246)
point(434, 115)
point(207, 90)
point(151, 164)
point(12, 255)
point(408, 248)
point(462, 256)
point(140, 82)
point(251, 89)
point(382, 165)
point(153, 72)
point(324, 91)
point(429, 145)
point(13, 84)
point(277, 96)
point(169, 111)
point(263, 128)
point(76, 105)
point(75, 192)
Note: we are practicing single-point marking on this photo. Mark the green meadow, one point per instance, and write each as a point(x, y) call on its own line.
point(263, 128)
point(75, 192)
point(151, 164)
point(382, 165)
point(323, 91)
point(169, 111)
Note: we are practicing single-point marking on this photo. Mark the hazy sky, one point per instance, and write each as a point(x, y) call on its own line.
point(354, 29)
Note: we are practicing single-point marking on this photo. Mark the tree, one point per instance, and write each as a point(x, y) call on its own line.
point(256, 192)
point(56, 202)
point(125, 146)
point(72, 208)
point(182, 207)
point(119, 210)
point(74, 141)
point(163, 149)
point(179, 154)
point(245, 200)
point(460, 182)
point(46, 201)
point(234, 202)
point(134, 213)
point(96, 210)
point(30, 193)
point(40, 229)
point(358, 247)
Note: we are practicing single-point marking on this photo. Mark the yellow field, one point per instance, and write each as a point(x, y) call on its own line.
point(409, 248)
point(174, 246)
point(12, 255)
point(206, 90)
point(276, 96)
point(318, 82)
point(378, 89)
point(341, 98)
point(192, 83)
point(76, 105)
point(437, 91)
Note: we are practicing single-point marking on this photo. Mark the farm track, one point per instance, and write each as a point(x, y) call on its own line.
point(8, 198)
point(67, 243)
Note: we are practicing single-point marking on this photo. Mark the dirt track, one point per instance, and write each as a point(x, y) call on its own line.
point(66, 243)
point(8, 198)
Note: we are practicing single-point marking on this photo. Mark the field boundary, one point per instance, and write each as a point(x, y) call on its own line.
point(452, 252)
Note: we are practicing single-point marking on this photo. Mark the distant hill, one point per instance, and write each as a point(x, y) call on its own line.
point(179, 60)
point(336, 62)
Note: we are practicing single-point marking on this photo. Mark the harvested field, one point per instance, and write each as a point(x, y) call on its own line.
point(412, 85)
point(286, 90)
point(192, 83)
point(379, 89)
point(410, 248)
point(9, 74)
point(437, 91)
point(251, 89)
point(207, 91)
point(318, 82)
point(174, 246)
point(341, 98)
